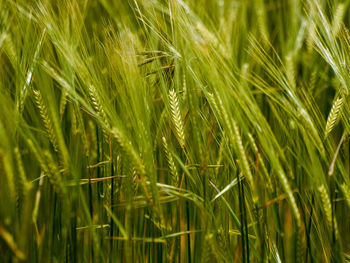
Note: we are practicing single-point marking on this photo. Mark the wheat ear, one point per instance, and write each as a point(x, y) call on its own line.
point(54, 174)
point(96, 103)
point(346, 192)
point(338, 19)
point(45, 118)
point(22, 185)
point(7, 166)
point(333, 116)
point(327, 207)
point(176, 117)
point(171, 163)
point(130, 151)
point(261, 160)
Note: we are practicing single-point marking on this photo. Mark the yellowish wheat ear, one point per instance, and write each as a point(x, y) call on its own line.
point(333, 116)
point(177, 118)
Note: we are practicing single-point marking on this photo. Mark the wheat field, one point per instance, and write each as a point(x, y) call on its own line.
point(174, 131)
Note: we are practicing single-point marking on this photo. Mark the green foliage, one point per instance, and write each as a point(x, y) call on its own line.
point(174, 131)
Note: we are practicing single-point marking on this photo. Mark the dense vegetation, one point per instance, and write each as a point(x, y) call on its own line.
point(174, 131)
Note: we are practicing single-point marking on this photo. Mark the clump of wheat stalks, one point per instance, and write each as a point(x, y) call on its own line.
point(333, 115)
point(177, 118)
point(242, 86)
point(45, 118)
point(171, 163)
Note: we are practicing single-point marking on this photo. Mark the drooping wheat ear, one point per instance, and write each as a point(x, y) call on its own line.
point(45, 118)
point(6, 164)
point(212, 102)
point(244, 161)
point(215, 248)
point(346, 192)
point(308, 125)
point(96, 103)
point(261, 160)
point(130, 151)
point(208, 38)
point(208, 254)
point(219, 159)
point(21, 180)
point(338, 18)
point(92, 141)
point(135, 179)
point(333, 115)
point(54, 174)
point(184, 86)
point(171, 163)
point(290, 71)
point(288, 191)
point(37, 155)
point(63, 102)
point(261, 16)
point(327, 207)
point(311, 36)
point(177, 118)
point(313, 79)
point(73, 120)
point(300, 245)
point(223, 116)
